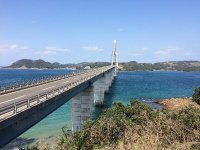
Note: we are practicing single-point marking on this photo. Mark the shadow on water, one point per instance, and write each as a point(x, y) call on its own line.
point(19, 143)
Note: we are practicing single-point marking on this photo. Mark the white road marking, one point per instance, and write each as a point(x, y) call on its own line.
point(13, 99)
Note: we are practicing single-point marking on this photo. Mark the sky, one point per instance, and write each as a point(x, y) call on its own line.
point(73, 31)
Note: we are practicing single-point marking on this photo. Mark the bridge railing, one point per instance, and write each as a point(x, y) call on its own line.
point(34, 82)
point(16, 107)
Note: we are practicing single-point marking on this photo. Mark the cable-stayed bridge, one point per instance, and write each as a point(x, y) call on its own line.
point(23, 106)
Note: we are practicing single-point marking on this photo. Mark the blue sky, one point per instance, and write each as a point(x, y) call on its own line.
point(71, 31)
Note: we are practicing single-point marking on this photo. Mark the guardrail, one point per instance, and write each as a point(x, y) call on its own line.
point(35, 82)
point(37, 98)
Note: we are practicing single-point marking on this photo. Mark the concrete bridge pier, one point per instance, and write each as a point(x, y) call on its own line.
point(81, 108)
point(108, 81)
point(83, 102)
point(99, 90)
point(111, 77)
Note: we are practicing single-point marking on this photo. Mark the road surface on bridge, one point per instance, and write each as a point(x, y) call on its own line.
point(16, 96)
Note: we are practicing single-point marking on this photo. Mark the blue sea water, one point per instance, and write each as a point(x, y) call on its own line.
point(10, 76)
point(145, 86)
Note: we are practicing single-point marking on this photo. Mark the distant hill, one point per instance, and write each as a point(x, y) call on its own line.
point(179, 65)
point(163, 66)
point(126, 66)
point(27, 63)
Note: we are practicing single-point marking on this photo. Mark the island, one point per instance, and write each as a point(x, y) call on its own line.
point(123, 66)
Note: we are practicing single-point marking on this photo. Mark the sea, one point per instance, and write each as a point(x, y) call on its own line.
point(148, 87)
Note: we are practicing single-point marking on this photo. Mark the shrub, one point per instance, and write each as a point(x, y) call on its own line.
point(190, 117)
point(137, 126)
point(196, 95)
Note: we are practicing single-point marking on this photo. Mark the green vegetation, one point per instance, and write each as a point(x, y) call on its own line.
point(196, 96)
point(134, 66)
point(126, 66)
point(137, 126)
point(27, 63)
point(92, 65)
point(165, 66)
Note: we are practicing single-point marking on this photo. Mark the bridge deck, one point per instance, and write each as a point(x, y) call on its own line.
point(16, 96)
point(21, 109)
point(28, 92)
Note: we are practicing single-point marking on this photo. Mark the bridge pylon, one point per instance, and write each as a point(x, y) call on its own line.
point(115, 58)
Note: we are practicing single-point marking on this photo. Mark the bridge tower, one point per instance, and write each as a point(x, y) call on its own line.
point(115, 58)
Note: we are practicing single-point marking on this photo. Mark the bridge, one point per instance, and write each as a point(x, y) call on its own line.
point(24, 105)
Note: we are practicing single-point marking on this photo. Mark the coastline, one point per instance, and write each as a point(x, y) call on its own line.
point(175, 104)
point(24, 68)
point(124, 95)
point(37, 68)
point(156, 71)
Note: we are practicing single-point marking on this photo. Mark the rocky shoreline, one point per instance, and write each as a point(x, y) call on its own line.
point(177, 103)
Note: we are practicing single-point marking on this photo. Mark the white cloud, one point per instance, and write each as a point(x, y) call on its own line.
point(22, 51)
point(6, 47)
point(145, 49)
point(46, 52)
point(12, 52)
point(56, 49)
point(13, 46)
point(92, 48)
point(167, 53)
point(52, 51)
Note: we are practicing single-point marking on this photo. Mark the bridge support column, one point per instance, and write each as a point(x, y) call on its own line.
point(99, 90)
point(111, 76)
point(114, 74)
point(81, 108)
point(108, 81)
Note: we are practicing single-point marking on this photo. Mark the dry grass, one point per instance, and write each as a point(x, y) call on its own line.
point(138, 127)
point(149, 141)
point(178, 103)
